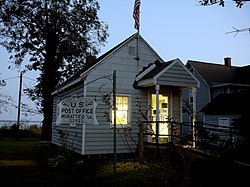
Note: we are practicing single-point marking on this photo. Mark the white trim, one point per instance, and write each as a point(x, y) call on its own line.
point(145, 72)
point(129, 111)
point(146, 82)
point(189, 72)
point(196, 72)
point(177, 60)
point(66, 86)
point(164, 70)
point(151, 49)
point(85, 73)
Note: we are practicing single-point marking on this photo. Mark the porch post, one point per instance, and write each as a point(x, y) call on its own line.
point(194, 89)
point(157, 90)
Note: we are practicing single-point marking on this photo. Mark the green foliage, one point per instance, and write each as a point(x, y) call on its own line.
point(5, 100)
point(56, 36)
point(239, 3)
point(65, 155)
point(106, 98)
point(32, 131)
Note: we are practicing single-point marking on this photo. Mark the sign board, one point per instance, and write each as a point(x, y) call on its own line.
point(76, 110)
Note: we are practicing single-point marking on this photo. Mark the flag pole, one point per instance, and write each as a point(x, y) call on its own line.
point(136, 16)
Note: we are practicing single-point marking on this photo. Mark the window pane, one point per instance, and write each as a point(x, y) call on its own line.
point(121, 110)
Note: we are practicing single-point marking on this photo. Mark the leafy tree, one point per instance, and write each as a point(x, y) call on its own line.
point(5, 99)
point(56, 36)
point(239, 3)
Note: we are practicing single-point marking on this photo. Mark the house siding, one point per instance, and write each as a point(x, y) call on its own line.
point(98, 139)
point(72, 131)
point(202, 98)
point(176, 75)
point(71, 137)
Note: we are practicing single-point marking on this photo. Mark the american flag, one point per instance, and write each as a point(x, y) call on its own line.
point(136, 14)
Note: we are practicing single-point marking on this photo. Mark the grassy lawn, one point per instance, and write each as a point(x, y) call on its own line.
point(27, 162)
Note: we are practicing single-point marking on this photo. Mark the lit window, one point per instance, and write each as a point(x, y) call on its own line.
point(122, 108)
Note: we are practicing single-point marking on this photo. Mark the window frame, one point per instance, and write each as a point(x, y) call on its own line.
point(128, 113)
point(222, 120)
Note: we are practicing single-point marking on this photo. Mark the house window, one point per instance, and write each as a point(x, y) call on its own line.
point(131, 50)
point(122, 110)
point(223, 121)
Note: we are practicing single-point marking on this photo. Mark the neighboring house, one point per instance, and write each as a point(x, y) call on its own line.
point(226, 107)
point(223, 90)
point(83, 113)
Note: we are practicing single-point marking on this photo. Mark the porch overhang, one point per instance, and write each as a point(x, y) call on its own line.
point(172, 73)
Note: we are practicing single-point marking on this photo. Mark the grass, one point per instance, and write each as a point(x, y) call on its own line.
point(27, 162)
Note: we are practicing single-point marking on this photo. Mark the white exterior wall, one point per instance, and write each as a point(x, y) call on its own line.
point(98, 139)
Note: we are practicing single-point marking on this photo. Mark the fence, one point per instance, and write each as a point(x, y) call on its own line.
point(209, 138)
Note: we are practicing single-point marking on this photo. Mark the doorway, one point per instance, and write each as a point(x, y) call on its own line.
point(163, 116)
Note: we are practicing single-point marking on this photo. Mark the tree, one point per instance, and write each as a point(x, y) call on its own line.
point(5, 100)
point(56, 35)
point(239, 3)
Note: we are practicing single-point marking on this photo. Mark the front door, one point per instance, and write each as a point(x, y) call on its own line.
point(163, 116)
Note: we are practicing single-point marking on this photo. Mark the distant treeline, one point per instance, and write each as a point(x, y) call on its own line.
point(23, 123)
point(26, 131)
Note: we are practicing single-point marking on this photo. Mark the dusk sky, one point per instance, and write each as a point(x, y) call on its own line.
point(175, 29)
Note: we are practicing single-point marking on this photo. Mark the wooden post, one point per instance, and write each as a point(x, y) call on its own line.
point(194, 116)
point(19, 104)
point(141, 143)
point(157, 89)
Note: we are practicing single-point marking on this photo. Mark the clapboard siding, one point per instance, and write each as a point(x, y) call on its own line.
point(99, 140)
point(214, 119)
point(176, 75)
point(76, 91)
point(176, 108)
point(73, 136)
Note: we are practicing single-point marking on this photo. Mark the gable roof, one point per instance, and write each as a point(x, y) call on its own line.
point(216, 74)
point(157, 68)
point(81, 74)
point(171, 73)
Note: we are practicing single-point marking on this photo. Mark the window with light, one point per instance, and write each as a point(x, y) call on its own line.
point(122, 110)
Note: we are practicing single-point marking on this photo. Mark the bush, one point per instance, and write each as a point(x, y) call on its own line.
point(33, 131)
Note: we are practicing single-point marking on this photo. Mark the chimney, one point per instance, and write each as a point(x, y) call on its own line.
point(90, 60)
point(227, 61)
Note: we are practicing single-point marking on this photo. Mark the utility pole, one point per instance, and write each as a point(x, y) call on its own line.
point(19, 102)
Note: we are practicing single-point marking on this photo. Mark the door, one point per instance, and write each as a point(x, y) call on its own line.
point(163, 116)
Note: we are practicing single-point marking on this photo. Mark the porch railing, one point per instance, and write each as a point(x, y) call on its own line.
point(207, 138)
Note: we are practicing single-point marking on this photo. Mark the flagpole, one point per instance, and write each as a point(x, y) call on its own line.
point(136, 16)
